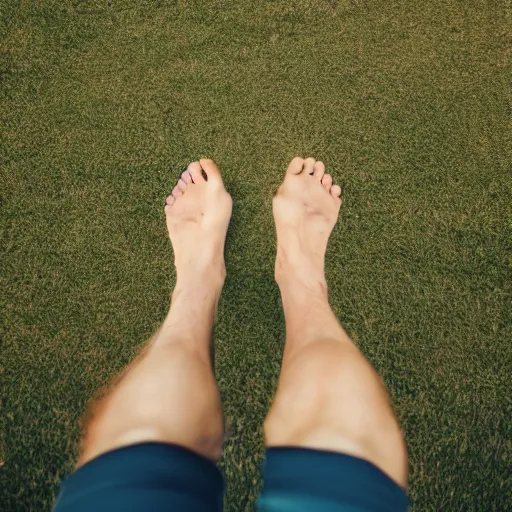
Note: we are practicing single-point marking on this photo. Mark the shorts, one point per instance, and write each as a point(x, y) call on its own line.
point(163, 477)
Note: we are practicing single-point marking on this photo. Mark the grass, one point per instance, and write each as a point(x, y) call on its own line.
point(407, 102)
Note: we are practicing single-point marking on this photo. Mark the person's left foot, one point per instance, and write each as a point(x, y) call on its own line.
point(197, 213)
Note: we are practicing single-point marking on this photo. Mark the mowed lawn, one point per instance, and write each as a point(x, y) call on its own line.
point(408, 104)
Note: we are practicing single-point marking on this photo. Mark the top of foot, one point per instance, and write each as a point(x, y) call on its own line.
point(197, 213)
point(306, 209)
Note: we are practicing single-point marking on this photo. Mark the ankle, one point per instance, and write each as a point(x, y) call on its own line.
point(194, 303)
point(205, 269)
point(301, 298)
point(300, 275)
point(205, 280)
point(309, 317)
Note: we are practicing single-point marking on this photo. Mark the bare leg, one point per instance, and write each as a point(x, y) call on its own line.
point(169, 393)
point(329, 396)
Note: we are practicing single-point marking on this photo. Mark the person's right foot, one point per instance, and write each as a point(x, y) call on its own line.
point(305, 208)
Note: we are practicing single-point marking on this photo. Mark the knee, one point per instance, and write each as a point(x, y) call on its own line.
point(169, 397)
point(319, 383)
point(331, 398)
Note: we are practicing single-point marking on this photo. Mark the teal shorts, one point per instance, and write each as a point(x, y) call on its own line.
point(161, 477)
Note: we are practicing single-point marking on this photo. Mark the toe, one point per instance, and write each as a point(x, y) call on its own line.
point(176, 192)
point(319, 170)
point(182, 185)
point(336, 191)
point(186, 177)
point(296, 166)
point(211, 170)
point(327, 181)
point(169, 200)
point(196, 172)
point(309, 165)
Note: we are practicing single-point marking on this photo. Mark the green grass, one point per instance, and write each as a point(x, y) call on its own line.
point(103, 103)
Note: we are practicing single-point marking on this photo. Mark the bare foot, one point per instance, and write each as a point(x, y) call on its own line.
point(197, 213)
point(306, 208)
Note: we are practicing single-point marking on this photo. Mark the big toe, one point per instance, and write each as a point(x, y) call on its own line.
point(211, 170)
point(296, 166)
